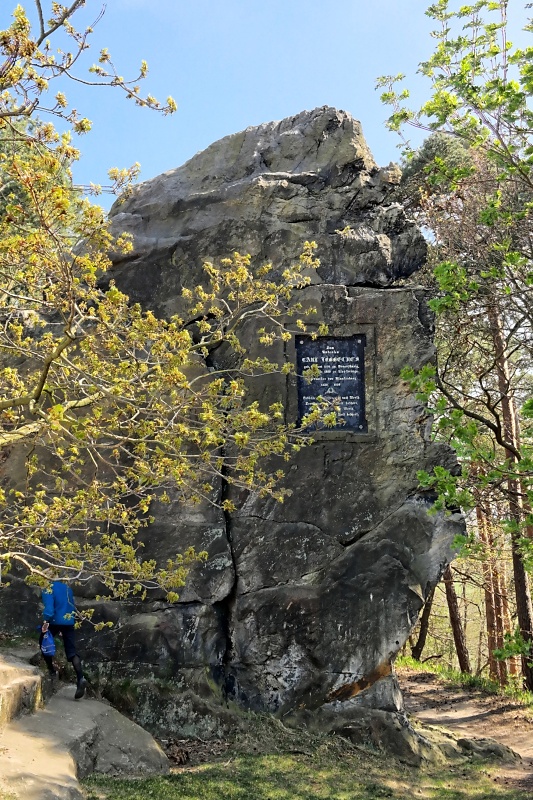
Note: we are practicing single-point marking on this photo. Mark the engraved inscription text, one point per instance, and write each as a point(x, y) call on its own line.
point(341, 362)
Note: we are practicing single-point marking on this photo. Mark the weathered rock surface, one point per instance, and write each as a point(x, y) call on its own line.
point(392, 734)
point(45, 750)
point(489, 749)
point(301, 605)
point(265, 191)
point(20, 688)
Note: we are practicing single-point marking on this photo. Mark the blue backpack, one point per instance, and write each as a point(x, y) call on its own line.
point(48, 645)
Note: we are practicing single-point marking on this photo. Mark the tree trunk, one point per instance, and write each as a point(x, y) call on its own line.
point(416, 649)
point(524, 607)
point(455, 621)
point(501, 604)
point(493, 642)
point(514, 665)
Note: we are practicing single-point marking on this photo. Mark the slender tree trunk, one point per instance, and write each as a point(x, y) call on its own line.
point(490, 599)
point(465, 604)
point(501, 623)
point(455, 621)
point(501, 602)
point(514, 664)
point(479, 651)
point(524, 607)
point(416, 649)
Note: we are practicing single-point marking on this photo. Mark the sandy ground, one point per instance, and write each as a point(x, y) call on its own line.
point(474, 714)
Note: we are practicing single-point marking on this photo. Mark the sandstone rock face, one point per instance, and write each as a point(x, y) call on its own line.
point(265, 191)
point(300, 607)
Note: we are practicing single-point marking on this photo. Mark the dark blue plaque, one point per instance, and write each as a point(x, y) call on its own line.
point(341, 362)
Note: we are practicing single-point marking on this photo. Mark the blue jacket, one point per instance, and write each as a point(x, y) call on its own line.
point(59, 605)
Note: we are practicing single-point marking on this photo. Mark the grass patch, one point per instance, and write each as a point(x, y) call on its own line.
point(463, 680)
point(294, 777)
point(272, 762)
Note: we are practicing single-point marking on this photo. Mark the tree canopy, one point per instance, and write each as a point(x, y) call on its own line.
point(475, 195)
point(105, 405)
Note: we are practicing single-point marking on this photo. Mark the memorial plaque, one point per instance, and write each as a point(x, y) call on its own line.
point(341, 362)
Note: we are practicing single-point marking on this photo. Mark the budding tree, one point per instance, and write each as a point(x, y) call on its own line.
point(479, 209)
point(104, 404)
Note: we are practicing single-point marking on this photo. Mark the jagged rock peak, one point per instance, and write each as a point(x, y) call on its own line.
point(310, 142)
point(265, 191)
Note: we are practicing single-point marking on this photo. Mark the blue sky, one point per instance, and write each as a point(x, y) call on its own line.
point(234, 63)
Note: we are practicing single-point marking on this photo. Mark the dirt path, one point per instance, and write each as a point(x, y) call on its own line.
point(473, 714)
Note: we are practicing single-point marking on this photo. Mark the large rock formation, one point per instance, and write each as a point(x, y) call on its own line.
point(265, 191)
point(300, 607)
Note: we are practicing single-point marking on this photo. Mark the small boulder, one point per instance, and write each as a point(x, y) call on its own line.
point(489, 749)
point(392, 733)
